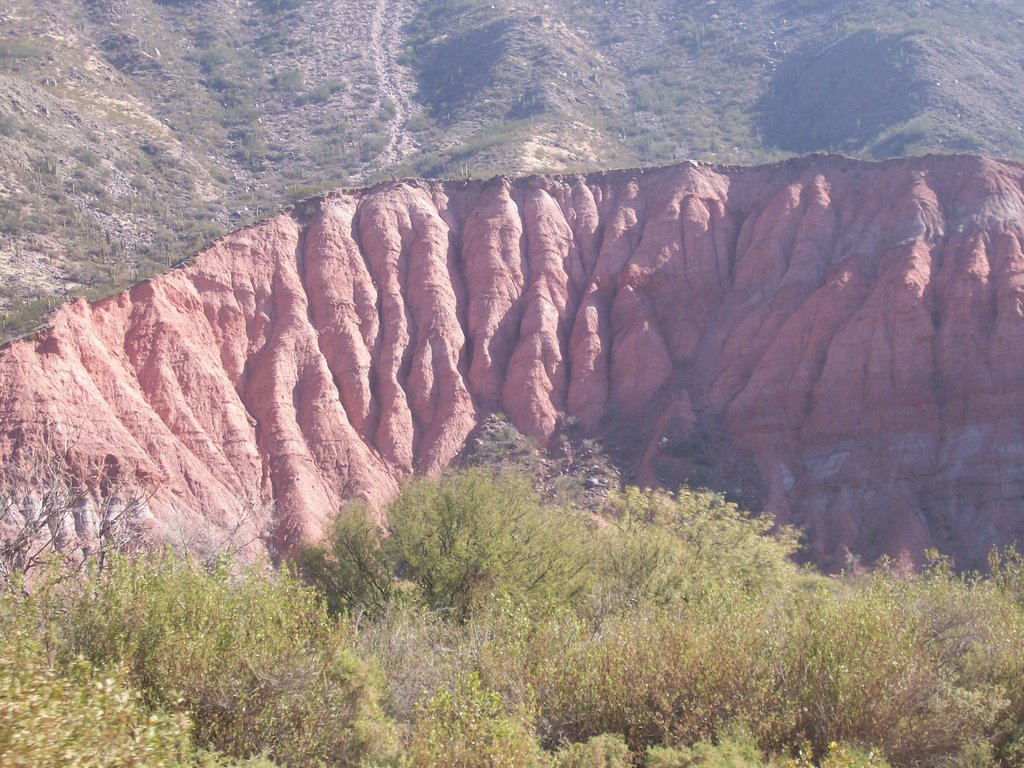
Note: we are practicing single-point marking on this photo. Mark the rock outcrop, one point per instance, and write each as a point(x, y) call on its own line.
point(847, 334)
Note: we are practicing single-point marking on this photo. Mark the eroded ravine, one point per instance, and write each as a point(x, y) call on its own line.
point(845, 336)
point(394, 81)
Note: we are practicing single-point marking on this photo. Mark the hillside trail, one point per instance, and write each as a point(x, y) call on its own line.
point(395, 81)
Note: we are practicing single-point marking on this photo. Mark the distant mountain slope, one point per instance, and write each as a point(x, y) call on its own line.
point(133, 131)
point(836, 341)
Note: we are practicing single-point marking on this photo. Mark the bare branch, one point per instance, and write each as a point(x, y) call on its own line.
point(54, 506)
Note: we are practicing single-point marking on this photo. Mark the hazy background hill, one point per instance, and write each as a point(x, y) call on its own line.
point(132, 131)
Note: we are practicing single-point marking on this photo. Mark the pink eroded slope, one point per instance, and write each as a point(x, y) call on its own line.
point(852, 331)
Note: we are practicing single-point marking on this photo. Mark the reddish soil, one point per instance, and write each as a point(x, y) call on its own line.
point(852, 330)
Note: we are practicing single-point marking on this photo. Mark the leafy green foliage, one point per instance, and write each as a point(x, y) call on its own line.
point(739, 750)
point(619, 679)
point(84, 717)
point(866, 671)
point(692, 627)
point(731, 750)
point(468, 727)
point(455, 543)
point(467, 538)
point(254, 662)
point(604, 751)
point(663, 547)
point(1007, 568)
point(494, 618)
point(349, 566)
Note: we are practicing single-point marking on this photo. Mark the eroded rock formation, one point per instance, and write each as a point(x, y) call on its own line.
point(851, 331)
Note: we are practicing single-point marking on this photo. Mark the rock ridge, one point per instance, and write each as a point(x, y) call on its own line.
point(843, 335)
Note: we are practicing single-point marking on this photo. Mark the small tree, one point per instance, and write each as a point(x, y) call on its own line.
point(452, 544)
point(472, 535)
point(349, 566)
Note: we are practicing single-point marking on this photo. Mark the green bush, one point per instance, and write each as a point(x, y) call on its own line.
point(861, 668)
point(320, 93)
point(289, 81)
point(886, 664)
point(255, 661)
point(81, 718)
point(471, 536)
point(737, 749)
point(734, 750)
point(468, 727)
point(691, 542)
point(845, 756)
point(79, 715)
point(1007, 569)
point(456, 543)
point(349, 566)
point(719, 652)
point(657, 676)
point(604, 751)
point(419, 652)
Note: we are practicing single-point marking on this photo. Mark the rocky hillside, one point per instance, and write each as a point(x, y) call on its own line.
point(132, 133)
point(835, 341)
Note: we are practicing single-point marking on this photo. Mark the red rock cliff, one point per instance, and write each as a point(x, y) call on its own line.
point(852, 331)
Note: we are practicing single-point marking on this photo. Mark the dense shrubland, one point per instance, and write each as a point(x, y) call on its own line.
point(492, 627)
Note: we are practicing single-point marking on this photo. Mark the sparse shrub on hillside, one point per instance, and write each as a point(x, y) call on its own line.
point(250, 149)
point(277, 6)
point(320, 93)
point(14, 49)
point(497, 444)
point(288, 80)
point(372, 144)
